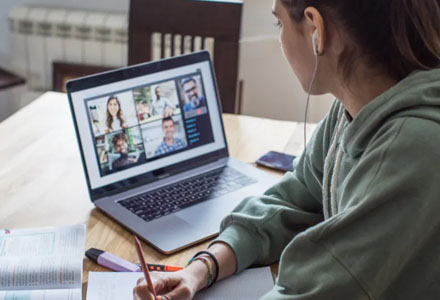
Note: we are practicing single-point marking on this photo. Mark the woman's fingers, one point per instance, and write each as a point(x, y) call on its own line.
point(135, 297)
point(181, 292)
point(141, 292)
point(164, 282)
point(174, 286)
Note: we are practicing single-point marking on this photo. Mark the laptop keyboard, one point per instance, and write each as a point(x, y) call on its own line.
point(165, 200)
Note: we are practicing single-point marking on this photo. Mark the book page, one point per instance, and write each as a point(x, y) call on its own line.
point(66, 294)
point(43, 258)
point(248, 285)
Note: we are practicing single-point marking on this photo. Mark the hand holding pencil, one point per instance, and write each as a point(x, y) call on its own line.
point(180, 285)
point(185, 283)
point(142, 293)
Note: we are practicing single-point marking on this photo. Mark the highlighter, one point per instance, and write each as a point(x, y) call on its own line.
point(115, 263)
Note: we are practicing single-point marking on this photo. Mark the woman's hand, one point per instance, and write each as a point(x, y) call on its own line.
point(184, 284)
point(180, 285)
point(142, 292)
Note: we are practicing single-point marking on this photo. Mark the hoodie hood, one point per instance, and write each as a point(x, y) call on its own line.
point(418, 95)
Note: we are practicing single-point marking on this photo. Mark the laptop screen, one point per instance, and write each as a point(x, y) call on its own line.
point(146, 122)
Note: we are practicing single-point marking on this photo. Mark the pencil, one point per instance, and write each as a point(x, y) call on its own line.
point(144, 266)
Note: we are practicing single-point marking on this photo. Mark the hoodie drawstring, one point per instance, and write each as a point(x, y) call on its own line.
point(329, 203)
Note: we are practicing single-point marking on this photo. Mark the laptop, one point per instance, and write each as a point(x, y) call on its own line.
point(154, 151)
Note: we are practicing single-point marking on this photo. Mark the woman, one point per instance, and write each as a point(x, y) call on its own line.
point(114, 117)
point(359, 218)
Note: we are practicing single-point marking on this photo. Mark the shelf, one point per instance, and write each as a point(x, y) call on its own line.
point(8, 79)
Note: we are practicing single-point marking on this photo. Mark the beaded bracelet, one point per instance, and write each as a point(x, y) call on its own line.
point(214, 259)
point(207, 263)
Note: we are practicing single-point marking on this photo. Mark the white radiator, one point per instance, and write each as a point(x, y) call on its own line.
point(42, 35)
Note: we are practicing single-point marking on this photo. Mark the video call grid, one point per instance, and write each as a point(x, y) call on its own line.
point(183, 118)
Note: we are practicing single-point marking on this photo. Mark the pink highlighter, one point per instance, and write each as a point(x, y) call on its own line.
point(115, 263)
point(108, 260)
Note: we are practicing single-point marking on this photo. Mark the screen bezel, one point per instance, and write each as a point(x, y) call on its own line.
point(130, 72)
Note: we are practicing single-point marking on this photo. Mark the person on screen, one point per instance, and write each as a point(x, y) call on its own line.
point(120, 142)
point(162, 105)
point(114, 116)
point(192, 93)
point(169, 143)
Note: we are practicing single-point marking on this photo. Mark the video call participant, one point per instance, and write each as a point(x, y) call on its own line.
point(193, 98)
point(120, 142)
point(169, 143)
point(162, 105)
point(114, 117)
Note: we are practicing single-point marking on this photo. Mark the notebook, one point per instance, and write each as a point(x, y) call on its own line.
point(42, 263)
point(154, 150)
point(251, 284)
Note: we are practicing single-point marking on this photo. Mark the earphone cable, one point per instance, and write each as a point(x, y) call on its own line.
point(308, 100)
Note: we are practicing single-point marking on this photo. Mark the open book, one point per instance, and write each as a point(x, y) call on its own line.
point(42, 264)
point(248, 285)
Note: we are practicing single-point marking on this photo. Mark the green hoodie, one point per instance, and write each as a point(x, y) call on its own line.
point(360, 216)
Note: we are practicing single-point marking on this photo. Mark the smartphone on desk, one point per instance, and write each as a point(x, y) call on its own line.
point(277, 160)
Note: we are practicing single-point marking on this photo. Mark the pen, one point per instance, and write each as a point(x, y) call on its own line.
point(115, 263)
point(144, 267)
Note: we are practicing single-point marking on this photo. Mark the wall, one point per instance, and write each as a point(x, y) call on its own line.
point(270, 87)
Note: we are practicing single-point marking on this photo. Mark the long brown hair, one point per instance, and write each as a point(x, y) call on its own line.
point(118, 114)
point(399, 36)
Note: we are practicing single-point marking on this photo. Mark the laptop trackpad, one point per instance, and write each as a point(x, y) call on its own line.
point(171, 232)
point(208, 215)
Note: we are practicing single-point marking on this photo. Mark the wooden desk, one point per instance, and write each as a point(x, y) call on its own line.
point(43, 184)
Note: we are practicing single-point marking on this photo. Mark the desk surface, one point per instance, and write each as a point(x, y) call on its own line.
point(43, 184)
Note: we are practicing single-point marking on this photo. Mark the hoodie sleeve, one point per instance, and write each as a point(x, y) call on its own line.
point(260, 227)
point(386, 238)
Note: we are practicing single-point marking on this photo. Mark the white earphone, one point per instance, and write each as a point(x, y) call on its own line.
point(314, 41)
point(316, 53)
